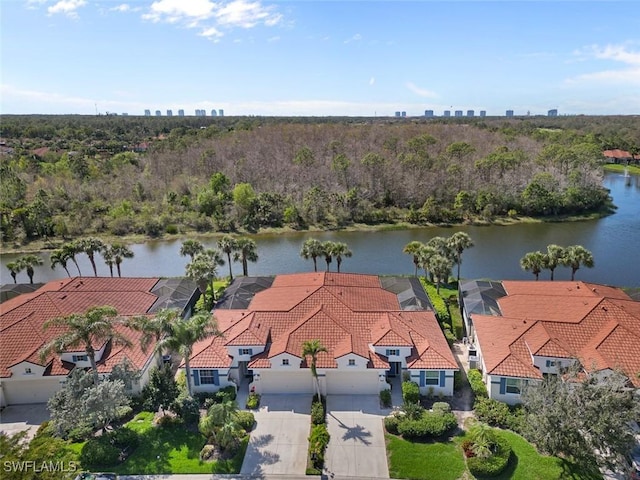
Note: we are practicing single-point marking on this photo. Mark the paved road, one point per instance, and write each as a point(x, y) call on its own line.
point(18, 418)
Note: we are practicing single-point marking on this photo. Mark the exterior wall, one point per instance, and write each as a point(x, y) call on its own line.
point(496, 389)
point(360, 363)
point(403, 353)
point(445, 382)
point(295, 381)
point(19, 391)
point(68, 357)
point(340, 382)
point(543, 364)
point(235, 353)
point(20, 370)
point(223, 380)
point(277, 362)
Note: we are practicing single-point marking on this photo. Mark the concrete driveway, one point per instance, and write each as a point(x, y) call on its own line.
point(279, 444)
point(357, 447)
point(18, 418)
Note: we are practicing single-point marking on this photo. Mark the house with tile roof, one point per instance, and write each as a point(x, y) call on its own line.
point(25, 379)
point(523, 331)
point(373, 327)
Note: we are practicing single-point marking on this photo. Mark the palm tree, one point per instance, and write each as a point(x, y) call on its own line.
point(227, 244)
point(227, 436)
point(311, 249)
point(185, 334)
point(327, 252)
point(15, 268)
point(413, 249)
point(553, 257)
point(95, 326)
point(60, 257)
point(90, 246)
point(246, 251)
point(426, 253)
point(312, 348)
point(203, 270)
point(339, 250)
point(156, 327)
point(533, 261)
point(107, 256)
point(483, 438)
point(27, 262)
point(458, 242)
point(71, 249)
point(576, 256)
point(191, 248)
point(440, 267)
point(120, 252)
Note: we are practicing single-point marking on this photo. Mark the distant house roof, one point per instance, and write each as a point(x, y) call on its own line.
point(239, 294)
point(10, 290)
point(22, 317)
point(348, 313)
point(596, 324)
point(481, 296)
point(620, 154)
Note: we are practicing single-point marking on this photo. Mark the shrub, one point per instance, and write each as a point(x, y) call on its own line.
point(207, 452)
point(253, 401)
point(187, 409)
point(450, 336)
point(439, 305)
point(317, 413)
point(227, 393)
point(318, 441)
point(429, 425)
point(80, 433)
point(98, 452)
point(441, 407)
point(385, 398)
point(391, 424)
point(492, 412)
point(477, 385)
point(171, 229)
point(124, 438)
point(245, 420)
point(413, 410)
point(493, 465)
point(410, 392)
point(406, 376)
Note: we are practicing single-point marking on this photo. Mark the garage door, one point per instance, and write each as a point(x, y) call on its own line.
point(340, 383)
point(286, 382)
point(32, 391)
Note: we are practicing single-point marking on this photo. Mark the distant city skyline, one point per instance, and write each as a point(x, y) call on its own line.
point(320, 58)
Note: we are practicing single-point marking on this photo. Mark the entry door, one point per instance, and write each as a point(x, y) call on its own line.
point(395, 368)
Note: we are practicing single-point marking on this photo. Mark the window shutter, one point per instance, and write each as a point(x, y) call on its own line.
point(443, 379)
point(196, 377)
point(503, 385)
point(250, 351)
point(423, 376)
point(216, 378)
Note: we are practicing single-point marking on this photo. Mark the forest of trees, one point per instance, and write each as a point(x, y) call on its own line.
point(62, 177)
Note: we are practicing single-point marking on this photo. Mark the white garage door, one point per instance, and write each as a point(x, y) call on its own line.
point(286, 382)
point(32, 391)
point(359, 383)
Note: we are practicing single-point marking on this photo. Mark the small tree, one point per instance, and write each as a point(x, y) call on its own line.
point(534, 262)
point(312, 348)
point(14, 269)
point(413, 249)
point(190, 248)
point(27, 262)
point(162, 389)
point(574, 257)
point(312, 249)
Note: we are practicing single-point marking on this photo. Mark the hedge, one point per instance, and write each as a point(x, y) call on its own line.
point(318, 441)
point(317, 413)
point(477, 384)
point(499, 414)
point(429, 425)
point(495, 464)
point(245, 420)
point(391, 424)
point(438, 303)
point(410, 392)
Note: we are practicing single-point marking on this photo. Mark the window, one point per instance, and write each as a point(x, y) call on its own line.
point(432, 378)
point(391, 352)
point(513, 385)
point(246, 351)
point(80, 358)
point(352, 362)
point(285, 361)
point(27, 371)
point(551, 363)
point(209, 377)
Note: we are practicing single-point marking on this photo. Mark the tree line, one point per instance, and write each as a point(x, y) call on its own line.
point(250, 174)
point(573, 257)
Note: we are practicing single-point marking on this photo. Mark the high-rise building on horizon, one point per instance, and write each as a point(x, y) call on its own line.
point(403, 113)
point(147, 113)
point(169, 113)
point(483, 113)
point(470, 113)
point(447, 113)
point(509, 113)
point(214, 112)
point(458, 113)
point(201, 112)
point(553, 112)
point(398, 113)
point(181, 113)
point(158, 113)
point(428, 113)
point(221, 113)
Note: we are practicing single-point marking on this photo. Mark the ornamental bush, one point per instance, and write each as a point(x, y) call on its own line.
point(385, 398)
point(477, 385)
point(318, 441)
point(429, 425)
point(493, 465)
point(317, 413)
point(441, 407)
point(391, 424)
point(499, 414)
point(410, 392)
point(245, 420)
point(253, 401)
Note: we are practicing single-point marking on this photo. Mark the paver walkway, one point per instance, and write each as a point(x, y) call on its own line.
point(357, 446)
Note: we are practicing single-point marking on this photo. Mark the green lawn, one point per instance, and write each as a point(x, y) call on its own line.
point(429, 461)
point(613, 167)
point(445, 461)
point(171, 449)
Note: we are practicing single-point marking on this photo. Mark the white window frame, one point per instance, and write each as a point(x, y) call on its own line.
point(80, 358)
point(432, 378)
point(393, 352)
point(246, 351)
point(205, 378)
point(516, 386)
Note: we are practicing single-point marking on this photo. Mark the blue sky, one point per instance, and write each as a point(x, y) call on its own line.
point(260, 57)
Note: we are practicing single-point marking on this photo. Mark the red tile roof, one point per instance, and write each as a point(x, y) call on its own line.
point(22, 318)
point(596, 324)
point(346, 312)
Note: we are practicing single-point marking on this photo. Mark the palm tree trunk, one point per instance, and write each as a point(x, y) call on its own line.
point(187, 369)
point(111, 269)
point(552, 269)
point(245, 266)
point(315, 264)
point(573, 273)
point(67, 270)
point(118, 267)
point(230, 270)
point(14, 275)
point(338, 262)
point(93, 265)
point(459, 268)
point(77, 266)
point(94, 367)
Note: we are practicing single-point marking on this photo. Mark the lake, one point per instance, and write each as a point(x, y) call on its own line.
point(614, 241)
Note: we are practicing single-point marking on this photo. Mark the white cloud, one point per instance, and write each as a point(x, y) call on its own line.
point(173, 11)
point(422, 92)
point(628, 73)
point(124, 7)
point(356, 38)
point(67, 7)
point(240, 13)
point(212, 33)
